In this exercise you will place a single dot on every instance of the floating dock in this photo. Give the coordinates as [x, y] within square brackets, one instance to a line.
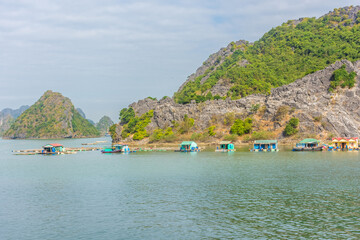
[95, 143]
[67, 150]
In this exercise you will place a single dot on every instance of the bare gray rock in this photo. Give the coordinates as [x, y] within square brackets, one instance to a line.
[308, 97]
[351, 11]
[221, 88]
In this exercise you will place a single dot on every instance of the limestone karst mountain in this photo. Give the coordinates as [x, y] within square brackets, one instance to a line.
[52, 116]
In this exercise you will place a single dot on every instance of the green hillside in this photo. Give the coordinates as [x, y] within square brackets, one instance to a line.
[284, 54]
[52, 116]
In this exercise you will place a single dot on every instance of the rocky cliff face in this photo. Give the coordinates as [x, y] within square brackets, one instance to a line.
[52, 116]
[8, 116]
[351, 12]
[214, 61]
[320, 111]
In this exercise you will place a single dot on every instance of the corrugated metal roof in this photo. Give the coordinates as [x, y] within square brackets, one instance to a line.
[187, 142]
[225, 142]
[54, 145]
[309, 140]
[344, 138]
[265, 141]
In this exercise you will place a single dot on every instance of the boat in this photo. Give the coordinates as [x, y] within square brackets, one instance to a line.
[308, 144]
[225, 146]
[188, 146]
[117, 148]
[265, 146]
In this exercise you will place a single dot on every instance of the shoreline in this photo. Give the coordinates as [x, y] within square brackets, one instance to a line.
[175, 146]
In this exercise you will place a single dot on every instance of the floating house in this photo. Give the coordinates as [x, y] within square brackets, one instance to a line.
[117, 148]
[265, 146]
[308, 144]
[345, 144]
[189, 146]
[53, 148]
[225, 146]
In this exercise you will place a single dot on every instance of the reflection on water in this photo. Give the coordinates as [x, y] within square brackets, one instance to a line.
[166, 195]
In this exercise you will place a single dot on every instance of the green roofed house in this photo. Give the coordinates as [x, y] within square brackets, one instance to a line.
[189, 146]
[265, 146]
[225, 146]
[308, 144]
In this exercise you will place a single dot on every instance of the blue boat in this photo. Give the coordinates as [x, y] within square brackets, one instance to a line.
[117, 148]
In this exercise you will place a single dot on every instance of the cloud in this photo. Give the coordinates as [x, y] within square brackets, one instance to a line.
[125, 48]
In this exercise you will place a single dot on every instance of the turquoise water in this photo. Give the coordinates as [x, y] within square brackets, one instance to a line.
[166, 195]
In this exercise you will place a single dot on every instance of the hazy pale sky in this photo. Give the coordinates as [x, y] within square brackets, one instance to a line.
[106, 54]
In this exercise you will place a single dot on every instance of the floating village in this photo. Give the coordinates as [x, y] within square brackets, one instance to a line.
[308, 144]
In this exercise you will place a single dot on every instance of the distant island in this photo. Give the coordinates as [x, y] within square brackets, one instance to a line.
[104, 125]
[301, 79]
[52, 116]
[8, 117]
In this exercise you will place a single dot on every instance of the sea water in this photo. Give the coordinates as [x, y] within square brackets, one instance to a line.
[167, 195]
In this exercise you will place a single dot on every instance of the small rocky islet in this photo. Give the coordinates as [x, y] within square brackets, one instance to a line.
[52, 116]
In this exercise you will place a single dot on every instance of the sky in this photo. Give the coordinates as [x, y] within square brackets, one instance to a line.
[106, 54]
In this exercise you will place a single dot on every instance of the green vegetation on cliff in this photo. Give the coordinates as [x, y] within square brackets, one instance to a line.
[291, 127]
[135, 125]
[159, 134]
[126, 114]
[241, 127]
[284, 54]
[52, 116]
[342, 78]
